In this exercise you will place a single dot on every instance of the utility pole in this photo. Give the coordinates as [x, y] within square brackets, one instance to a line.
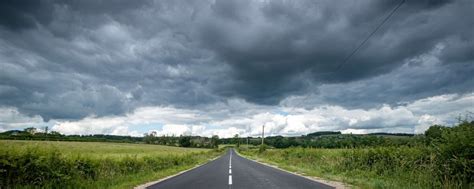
[248, 142]
[263, 133]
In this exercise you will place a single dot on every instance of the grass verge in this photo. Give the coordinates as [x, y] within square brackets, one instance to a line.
[33, 164]
[381, 167]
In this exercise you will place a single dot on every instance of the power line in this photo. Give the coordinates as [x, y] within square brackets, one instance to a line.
[357, 48]
[369, 36]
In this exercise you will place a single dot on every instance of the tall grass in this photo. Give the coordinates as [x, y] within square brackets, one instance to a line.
[380, 167]
[53, 165]
[444, 160]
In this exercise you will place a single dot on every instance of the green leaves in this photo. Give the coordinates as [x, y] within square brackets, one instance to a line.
[52, 168]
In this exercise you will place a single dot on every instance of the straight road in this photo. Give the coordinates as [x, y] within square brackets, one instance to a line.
[234, 171]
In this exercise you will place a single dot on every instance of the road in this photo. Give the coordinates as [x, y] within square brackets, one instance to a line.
[233, 171]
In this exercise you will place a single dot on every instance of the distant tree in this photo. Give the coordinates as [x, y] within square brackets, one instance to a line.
[237, 140]
[434, 133]
[185, 141]
[148, 138]
[30, 130]
[215, 141]
[55, 133]
[322, 133]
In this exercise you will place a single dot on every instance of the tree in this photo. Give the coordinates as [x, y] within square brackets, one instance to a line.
[185, 141]
[215, 141]
[30, 130]
[149, 138]
[55, 133]
[455, 153]
[237, 140]
[434, 133]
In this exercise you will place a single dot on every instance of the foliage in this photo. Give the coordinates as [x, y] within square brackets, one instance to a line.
[434, 133]
[185, 141]
[328, 139]
[454, 150]
[322, 133]
[26, 164]
[32, 134]
[215, 141]
[149, 138]
[237, 140]
[182, 141]
[443, 159]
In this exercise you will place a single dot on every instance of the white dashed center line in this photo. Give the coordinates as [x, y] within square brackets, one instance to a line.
[230, 168]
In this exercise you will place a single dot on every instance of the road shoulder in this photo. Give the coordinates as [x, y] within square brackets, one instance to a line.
[335, 184]
[148, 184]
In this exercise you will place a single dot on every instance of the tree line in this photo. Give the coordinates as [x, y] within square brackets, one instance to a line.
[324, 139]
[32, 133]
[182, 141]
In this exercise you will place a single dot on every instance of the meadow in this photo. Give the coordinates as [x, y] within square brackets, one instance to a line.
[52, 164]
[364, 168]
[445, 160]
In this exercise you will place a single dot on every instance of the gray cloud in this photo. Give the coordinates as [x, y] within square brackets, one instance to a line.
[71, 59]
[269, 46]
[422, 76]
[23, 14]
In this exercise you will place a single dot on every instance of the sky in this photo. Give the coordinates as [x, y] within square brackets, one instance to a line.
[226, 67]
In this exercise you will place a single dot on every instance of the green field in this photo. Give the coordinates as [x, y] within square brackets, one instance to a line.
[380, 167]
[92, 164]
[339, 165]
[444, 158]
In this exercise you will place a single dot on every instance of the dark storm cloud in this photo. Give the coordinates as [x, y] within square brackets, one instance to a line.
[21, 14]
[71, 59]
[268, 45]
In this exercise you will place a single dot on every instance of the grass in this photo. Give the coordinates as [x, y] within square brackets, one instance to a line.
[381, 167]
[26, 164]
[223, 146]
[98, 149]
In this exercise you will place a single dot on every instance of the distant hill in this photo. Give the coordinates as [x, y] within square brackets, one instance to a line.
[14, 132]
[392, 134]
[322, 133]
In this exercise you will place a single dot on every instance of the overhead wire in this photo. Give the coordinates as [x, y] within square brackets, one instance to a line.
[345, 60]
[370, 35]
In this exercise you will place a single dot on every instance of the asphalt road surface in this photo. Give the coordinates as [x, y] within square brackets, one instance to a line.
[234, 171]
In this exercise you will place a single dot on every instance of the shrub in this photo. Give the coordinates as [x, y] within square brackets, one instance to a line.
[36, 167]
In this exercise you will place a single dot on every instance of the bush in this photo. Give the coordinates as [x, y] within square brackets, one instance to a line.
[455, 154]
[34, 167]
[446, 160]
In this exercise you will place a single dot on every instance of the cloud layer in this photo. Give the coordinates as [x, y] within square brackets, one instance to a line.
[73, 63]
[415, 117]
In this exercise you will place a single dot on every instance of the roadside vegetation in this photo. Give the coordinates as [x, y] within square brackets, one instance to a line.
[33, 133]
[42, 164]
[441, 158]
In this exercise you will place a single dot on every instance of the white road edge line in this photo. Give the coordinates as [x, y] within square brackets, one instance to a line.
[335, 184]
[144, 186]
